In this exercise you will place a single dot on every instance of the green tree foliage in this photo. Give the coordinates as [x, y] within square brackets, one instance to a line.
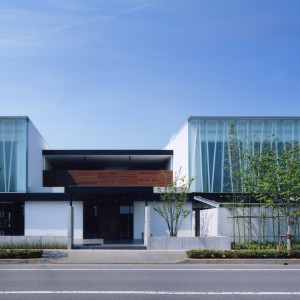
[269, 171]
[173, 198]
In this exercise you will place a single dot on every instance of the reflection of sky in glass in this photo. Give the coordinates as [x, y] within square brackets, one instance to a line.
[13, 155]
[207, 146]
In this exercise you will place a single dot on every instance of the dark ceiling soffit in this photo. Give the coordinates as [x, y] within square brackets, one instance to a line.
[21, 197]
[107, 152]
[109, 190]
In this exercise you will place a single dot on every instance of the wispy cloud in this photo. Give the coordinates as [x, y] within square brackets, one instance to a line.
[54, 30]
[70, 6]
[142, 6]
[40, 34]
[67, 5]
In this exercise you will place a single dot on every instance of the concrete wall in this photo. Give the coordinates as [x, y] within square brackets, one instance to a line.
[138, 219]
[49, 218]
[179, 144]
[36, 144]
[188, 243]
[159, 226]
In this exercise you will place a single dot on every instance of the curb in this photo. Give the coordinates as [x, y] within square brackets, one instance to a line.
[243, 261]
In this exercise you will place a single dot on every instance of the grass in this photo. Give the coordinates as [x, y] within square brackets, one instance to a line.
[34, 245]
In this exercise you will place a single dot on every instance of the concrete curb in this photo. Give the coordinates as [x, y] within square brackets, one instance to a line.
[242, 261]
[185, 261]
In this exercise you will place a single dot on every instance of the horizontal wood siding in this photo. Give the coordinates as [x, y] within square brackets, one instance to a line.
[153, 178]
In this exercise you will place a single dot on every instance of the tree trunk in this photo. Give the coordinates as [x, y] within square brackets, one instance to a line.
[288, 235]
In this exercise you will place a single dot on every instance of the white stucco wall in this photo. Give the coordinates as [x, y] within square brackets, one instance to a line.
[159, 225]
[179, 144]
[209, 222]
[138, 219]
[219, 222]
[50, 218]
[36, 144]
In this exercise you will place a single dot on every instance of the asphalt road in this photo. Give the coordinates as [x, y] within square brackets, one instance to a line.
[149, 281]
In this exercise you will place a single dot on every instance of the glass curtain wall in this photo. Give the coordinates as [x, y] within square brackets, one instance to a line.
[13, 155]
[207, 146]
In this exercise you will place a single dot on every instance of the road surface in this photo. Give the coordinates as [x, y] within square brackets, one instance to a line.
[25, 281]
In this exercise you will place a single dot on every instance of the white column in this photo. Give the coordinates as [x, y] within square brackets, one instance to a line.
[147, 230]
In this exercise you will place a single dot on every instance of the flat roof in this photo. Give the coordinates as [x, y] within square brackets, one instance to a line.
[243, 118]
[107, 152]
[15, 117]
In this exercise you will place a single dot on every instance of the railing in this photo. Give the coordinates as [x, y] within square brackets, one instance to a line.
[153, 178]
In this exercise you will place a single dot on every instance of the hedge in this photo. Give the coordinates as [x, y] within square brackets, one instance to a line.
[20, 253]
[243, 254]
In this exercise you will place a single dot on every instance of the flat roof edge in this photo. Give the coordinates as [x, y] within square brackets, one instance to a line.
[107, 152]
[16, 117]
[243, 118]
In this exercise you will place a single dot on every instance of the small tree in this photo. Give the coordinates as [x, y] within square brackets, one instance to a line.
[173, 198]
[276, 171]
[269, 171]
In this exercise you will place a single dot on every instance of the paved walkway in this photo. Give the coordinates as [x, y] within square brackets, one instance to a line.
[113, 256]
[134, 257]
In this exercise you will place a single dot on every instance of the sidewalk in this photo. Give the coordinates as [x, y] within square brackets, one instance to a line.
[113, 256]
[134, 257]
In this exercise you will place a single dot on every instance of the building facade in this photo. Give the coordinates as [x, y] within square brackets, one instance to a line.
[201, 150]
[109, 189]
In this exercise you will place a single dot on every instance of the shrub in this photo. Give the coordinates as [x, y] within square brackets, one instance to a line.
[263, 245]
[20, 253]
[243, 254]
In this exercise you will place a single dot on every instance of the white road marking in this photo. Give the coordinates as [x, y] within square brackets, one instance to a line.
[149, 293]
[128, 269]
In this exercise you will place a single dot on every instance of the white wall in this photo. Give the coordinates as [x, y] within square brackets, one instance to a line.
[138, 219]
[159, 226]
[36, 144]
[219, 222]
[209, 222]
[179, 144]
[50, 218]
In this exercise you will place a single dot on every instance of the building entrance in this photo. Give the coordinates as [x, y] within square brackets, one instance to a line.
[108, 219]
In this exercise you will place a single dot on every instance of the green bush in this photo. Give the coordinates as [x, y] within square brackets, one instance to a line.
[20, 253]
[256, 245]
[243, 254]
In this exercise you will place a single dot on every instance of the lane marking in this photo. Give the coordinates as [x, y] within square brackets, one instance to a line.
[149, 293]
[128, 269]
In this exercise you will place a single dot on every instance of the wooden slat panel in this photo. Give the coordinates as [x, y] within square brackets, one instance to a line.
[153, 178]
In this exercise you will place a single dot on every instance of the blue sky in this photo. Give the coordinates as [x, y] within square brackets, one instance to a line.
[126, 74]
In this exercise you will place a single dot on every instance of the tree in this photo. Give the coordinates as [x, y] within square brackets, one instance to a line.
[173, 198]
[269, 171]
[276, 171]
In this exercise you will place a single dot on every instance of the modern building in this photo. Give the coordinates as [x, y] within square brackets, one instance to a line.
[200, 148]
[109, 189]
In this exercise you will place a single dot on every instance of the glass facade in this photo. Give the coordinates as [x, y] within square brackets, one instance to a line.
[13, 154]
[207, 146]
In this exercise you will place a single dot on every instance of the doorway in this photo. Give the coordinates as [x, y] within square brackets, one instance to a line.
[108, 219]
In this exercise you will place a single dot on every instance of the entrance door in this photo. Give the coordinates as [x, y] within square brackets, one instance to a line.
[11, 218]
[126, 222]
[108, 219]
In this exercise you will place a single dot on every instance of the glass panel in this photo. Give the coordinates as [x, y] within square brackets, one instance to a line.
[207, 147]
[13, 155]
[126, 222]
